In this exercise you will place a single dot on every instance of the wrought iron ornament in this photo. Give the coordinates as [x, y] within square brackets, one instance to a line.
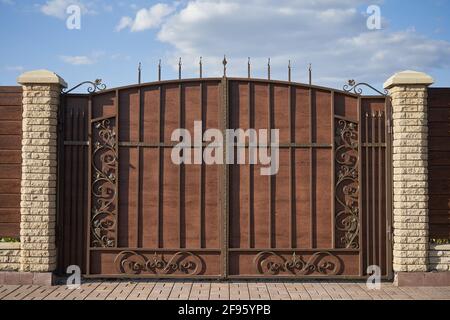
[104, 185]
[93, 87]
[271, 263]
[224, 62]
[132, 263]
[353, 87]
[347, 183]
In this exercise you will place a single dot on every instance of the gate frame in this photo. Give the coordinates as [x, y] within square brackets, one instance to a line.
[97, 87]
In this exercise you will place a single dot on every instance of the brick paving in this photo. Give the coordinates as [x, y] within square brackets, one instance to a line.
[207, 290]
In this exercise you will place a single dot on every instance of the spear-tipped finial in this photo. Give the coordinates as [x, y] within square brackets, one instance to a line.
[310, 74]
[249, 68]
[268, 69]
[224, 62]
[289, 71]
[201, 67]
[179, 68]
[159, 70]
[139, 72]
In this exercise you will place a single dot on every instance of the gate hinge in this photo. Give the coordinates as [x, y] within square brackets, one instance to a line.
[389, 233]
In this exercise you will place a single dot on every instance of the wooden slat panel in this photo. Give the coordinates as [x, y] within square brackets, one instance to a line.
[11, 113]
[73, 186]
[11, 127]
[10, 159]
[10, 99]
[10, 142]
[9, 186]
[439, 162]
[10, 230]
[11, 89]
[11, 215]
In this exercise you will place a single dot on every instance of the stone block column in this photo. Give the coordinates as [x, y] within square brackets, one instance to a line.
[41, 92]
[408, 91]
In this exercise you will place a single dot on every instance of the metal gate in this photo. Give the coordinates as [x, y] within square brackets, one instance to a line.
[125, 210]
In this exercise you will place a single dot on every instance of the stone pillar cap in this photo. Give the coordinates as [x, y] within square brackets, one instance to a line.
[41, 77]
[408, 77]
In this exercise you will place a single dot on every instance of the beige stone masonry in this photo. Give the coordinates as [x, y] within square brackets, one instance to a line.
[439, 257]
[408, 91]
[41, 91]
[9, 256]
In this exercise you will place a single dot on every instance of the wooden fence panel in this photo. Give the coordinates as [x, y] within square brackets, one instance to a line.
[10, 160]
[439, 162]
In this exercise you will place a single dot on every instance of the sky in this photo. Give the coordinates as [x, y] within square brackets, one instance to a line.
[332, 35]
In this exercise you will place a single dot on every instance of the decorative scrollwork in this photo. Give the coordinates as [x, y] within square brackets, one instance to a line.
[133, 263]
[355, 88]
[94, 86]
[323, 263]
[347, 183]
[104, 189]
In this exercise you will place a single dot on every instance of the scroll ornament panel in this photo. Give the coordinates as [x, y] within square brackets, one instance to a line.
[104, 184]
[347, 184]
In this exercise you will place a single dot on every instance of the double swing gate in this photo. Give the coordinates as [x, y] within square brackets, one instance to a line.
[126, 210]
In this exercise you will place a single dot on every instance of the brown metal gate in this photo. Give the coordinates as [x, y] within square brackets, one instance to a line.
[126, 210]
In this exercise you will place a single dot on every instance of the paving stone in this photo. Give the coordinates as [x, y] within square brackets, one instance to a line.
[209, 290]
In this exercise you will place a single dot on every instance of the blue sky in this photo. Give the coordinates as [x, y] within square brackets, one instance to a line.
[116, 35]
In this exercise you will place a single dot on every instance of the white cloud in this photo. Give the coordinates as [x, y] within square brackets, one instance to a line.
[147, 18]
[82, 60]
[57, 8]
[124, 22]
[15, 68]
[332, 34]
[78, 60]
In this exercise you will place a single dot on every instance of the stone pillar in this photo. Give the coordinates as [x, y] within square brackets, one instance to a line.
[408, 90]
[41, 92]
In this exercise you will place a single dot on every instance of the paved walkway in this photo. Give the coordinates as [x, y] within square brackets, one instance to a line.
[175, 290]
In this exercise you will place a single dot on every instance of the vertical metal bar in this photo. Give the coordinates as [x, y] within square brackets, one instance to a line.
[159, 70]
[310, 74]
[333, 174]
[311, 171]
[289, 71]
[82, 214]
[181, 174]
[60, 181]
[160, 170]
[374, 213]
[249, 68]
[380, 190]
[366, 214]
[117, 107]
[202, 172]
[360, 191]
[89, 206]
[250, 174]
[224, 178]
[389, 178]
[75, 183]
[269, 139]
[138, 175]
[68, 227]
[139, 73]
[293, 243]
